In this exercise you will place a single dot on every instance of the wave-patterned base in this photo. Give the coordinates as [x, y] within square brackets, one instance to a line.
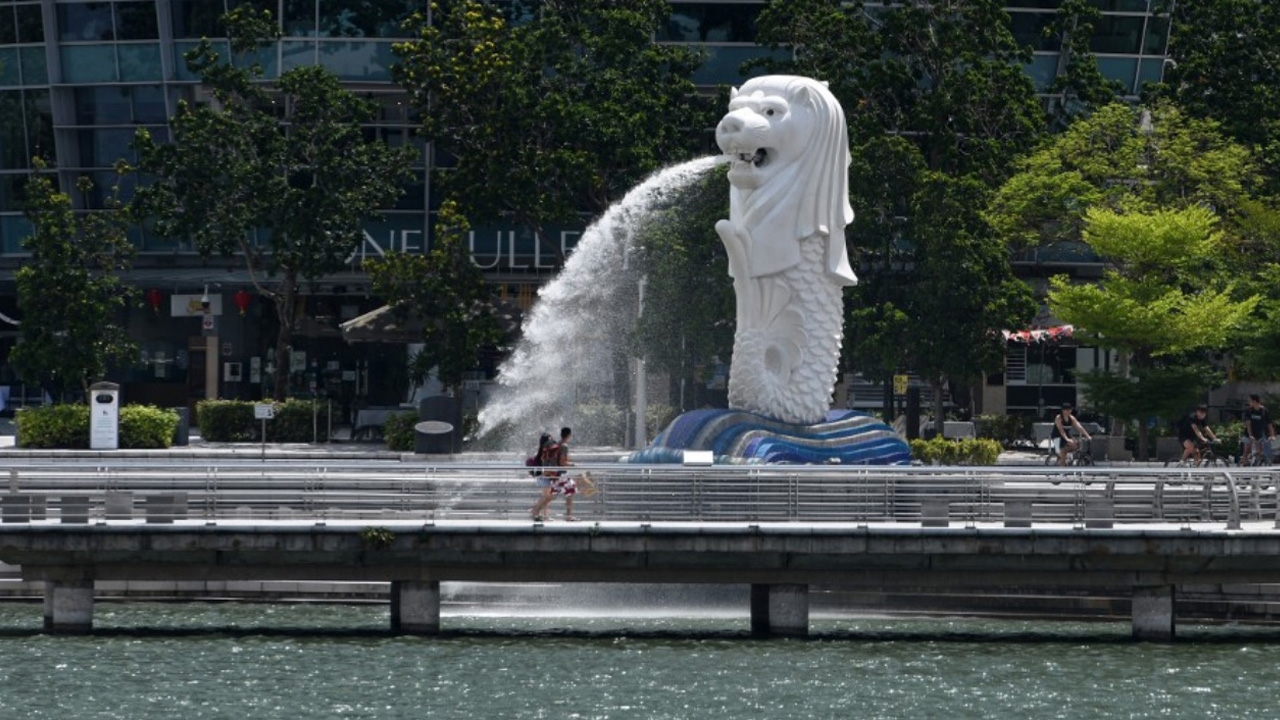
[740, 437]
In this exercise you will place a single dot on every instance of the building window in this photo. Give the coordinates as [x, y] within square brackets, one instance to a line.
[711, 22]
[85, 22]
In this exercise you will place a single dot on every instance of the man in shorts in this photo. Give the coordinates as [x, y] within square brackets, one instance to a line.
[1259, 431]
[1191, 432]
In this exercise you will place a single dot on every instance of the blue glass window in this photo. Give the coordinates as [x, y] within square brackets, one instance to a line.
[1117, 34]
[89, 63]
[35, 68]
[104, 105]
[1029, 29]
[300, 18]
[1123, 5]
[1149, 71]
[103, 147]
[1157, 36]
[1042, 70]
[13, 137]
[1122, 69]
[723, 63]
[9, 74]
[8, 27]
[357, 60]
[13, 229]
[88, 22]
[296, 54]
[361, 18]
[120, 105]
[196, 18]
[140, 61]
[711, 22]
[136, 21]
[30, 23]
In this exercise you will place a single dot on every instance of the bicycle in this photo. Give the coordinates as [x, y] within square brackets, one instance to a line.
[1208, 458]
[1082, 456]
[1259, 456]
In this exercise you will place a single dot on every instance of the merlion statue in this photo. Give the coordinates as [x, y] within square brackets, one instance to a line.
[788, 207]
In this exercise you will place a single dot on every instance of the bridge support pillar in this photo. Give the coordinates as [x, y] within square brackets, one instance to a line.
[415, 607]
[68, 606]
[779, 610]
[1153, 613]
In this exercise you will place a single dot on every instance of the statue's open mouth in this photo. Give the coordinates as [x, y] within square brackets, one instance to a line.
[758, 158]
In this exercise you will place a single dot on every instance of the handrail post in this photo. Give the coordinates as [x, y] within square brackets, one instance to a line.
[1233, 518]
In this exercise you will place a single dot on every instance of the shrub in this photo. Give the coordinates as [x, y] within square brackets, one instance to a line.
[658, 417]
[226, 420]
[233, 421]
[53, 426]
[67, 426]
[298, 421]
[147, 426]
[398, 431]
[1008, 430]
[597, 423]
[941, 451]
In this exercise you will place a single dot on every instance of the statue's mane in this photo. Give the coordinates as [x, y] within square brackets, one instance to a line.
[811, 195]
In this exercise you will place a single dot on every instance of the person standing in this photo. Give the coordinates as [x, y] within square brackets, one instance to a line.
[1062, 426]
[1259, 430]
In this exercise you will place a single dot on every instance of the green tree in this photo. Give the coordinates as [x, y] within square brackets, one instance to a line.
[1226, 66]
[935, 93]
[280, 175]
[1122, 157]
[447, 294]
[1163, 294]
[70, 293]
[551, 110]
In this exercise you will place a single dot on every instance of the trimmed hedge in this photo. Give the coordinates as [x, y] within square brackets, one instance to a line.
[941, 451]
[67, 426]
[233, 421]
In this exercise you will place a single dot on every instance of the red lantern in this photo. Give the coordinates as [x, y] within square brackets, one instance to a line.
[154, 297]
[241, 299]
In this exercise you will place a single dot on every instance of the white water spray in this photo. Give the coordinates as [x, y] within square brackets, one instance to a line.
[570, 339]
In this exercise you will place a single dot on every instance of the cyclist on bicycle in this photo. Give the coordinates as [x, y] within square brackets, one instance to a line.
[1258, 430]
[1062, 439]
[1192, 429]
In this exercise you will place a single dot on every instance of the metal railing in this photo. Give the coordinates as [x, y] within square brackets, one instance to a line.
[1081, 497]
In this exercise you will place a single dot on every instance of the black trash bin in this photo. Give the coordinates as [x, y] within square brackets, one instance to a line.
[431, 436]
[182, 433]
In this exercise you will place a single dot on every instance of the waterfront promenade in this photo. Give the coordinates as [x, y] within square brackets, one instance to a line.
[349, 513]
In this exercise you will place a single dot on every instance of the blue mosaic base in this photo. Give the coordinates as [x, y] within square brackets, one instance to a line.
[738, 437]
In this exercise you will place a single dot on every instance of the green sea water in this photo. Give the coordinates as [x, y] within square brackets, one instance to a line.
[317, 661]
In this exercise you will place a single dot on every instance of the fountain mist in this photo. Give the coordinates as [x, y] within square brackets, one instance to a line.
[571, 337]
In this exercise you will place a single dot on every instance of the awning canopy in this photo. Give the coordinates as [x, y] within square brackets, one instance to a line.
[1050, 334]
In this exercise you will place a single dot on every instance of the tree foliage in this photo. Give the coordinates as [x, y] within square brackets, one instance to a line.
[1121, 158]
[1226, 66]
[938, 106]
[447, 295]
[1162, 295]
[281, 176]
[548, 109]
[70, 294]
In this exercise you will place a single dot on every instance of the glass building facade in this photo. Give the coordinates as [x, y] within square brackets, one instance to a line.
[79, 77]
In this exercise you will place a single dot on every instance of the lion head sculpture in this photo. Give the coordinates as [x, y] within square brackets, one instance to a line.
[789, 150]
